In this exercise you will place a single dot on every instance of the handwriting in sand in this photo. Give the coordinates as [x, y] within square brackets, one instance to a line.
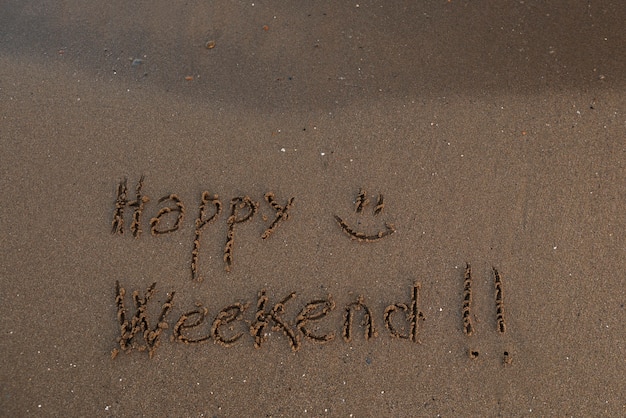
[231, 324]
[242, 209]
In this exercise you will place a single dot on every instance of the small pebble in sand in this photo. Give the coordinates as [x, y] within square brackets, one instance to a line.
[210, 45]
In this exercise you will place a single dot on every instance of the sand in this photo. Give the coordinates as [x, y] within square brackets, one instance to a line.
[345, 209]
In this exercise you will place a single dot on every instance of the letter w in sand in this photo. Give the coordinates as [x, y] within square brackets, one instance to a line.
[139, 321]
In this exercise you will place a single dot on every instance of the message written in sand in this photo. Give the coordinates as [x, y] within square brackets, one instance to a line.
[170, 216]
[229, 326]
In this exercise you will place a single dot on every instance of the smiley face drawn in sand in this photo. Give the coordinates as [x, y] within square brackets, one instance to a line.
[361, 202]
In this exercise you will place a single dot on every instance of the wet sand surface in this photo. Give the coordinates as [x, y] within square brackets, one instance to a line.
[442, 182]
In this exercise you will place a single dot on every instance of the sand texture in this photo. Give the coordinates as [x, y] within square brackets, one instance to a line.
[314, 208]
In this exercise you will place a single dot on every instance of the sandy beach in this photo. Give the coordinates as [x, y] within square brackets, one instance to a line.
[317, 208]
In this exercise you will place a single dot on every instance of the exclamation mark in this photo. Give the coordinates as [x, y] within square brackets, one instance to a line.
[468, 328]
[499, 302]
